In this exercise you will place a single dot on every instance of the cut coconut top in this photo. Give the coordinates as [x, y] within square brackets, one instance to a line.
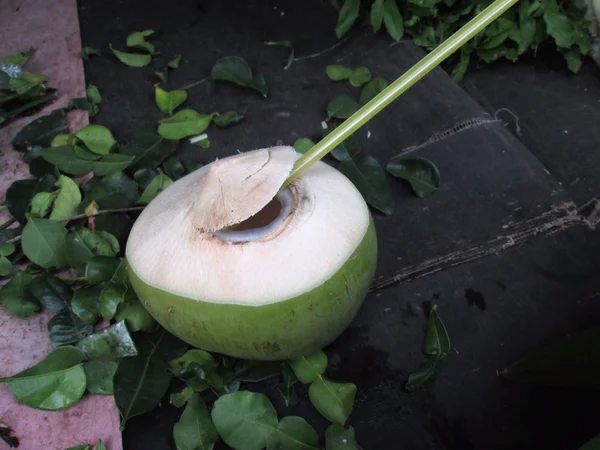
[317, 223]
[235, 188]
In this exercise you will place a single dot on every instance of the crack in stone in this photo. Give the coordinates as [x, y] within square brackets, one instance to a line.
[440, 136]
[559, 218]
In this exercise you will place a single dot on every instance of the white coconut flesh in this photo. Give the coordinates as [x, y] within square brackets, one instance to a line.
[224, 234]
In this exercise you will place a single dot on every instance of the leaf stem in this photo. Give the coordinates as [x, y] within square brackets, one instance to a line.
[398, 87]
[8, 223]
[103, 211]
[83, 216]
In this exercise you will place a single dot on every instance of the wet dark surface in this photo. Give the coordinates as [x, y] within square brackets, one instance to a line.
[502, 247]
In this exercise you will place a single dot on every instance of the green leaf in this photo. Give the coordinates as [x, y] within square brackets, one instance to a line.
[347, 16]
[97, 138]
[339, 438]
[5, 266]
[131, 59]
[333, 400]
[100, 445]
[423, 176]
[183, 124]
[349, 148]
[70, 160]
[66, 160]
[173, 168]
[140, 382]
[115, 190]
[86, 304]
[293, 433]
[43, 242]
[113, 292]
[168, 101]
[560, 28]
[286, 389]
[135, 315]
[236, 70]
[377, 11]
[93, 95]
[161, 344]
[370, 179]
[337, 72]
[204, 360]
[16, 296]
[437, 341]
[341, 107]
[100, 373]
[67, 200]
[360, 76]
[26, 82]
[573, 361]
[156, 186]
[174, 63]
[573, 60]
[88, 52]
[41, 131]
[195, 429]
[138, 40]
[51, 292]
[393, 20]
[21, 192]
[460, 69]
[7, 249]
[308, 368]
[526, 34]
[55, 383]
[110, 298]
[113, 342]
[101, 268]
[41, 204]
[82, 245]
[143, 177]
[371, 89]
[181, 398]
[65, 328]
[227, 119]
[244, 420]
[593, 444]
[425, 372]
[83, 104]
[303, 145]
[148, 148]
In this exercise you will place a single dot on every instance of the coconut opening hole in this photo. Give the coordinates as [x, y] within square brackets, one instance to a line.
[263, 222]
[262, 218]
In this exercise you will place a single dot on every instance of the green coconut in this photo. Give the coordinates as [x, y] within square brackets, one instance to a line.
[228, 263]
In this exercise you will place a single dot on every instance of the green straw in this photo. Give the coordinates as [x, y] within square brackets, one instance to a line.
[389, 94]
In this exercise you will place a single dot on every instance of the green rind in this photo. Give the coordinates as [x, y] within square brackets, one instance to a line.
[284, 330]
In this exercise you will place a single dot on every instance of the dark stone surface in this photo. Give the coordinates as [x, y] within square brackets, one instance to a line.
[557, 115]
[516, 285]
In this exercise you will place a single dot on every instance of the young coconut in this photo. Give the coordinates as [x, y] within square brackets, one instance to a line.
[229, 264]
[293, 272]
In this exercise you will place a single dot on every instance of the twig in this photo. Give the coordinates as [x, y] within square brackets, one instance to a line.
[333, 47]
[83, 216]
[104, 211]
[196, 83]
[8, 223]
